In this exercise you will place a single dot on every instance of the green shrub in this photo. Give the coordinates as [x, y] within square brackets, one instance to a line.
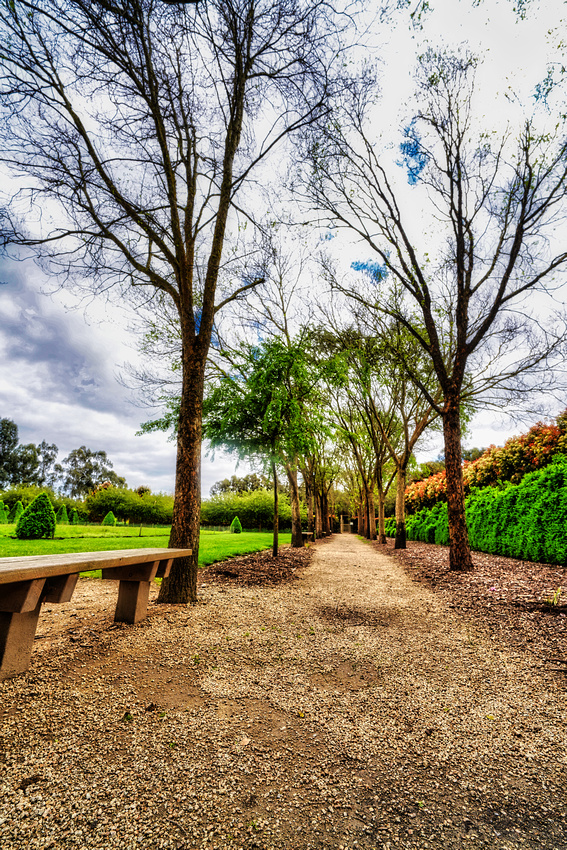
[235, 526]
[109, 519]
[74, 517]
[390, 527]
[16, 512]
[38, 519]
[3, 513]
[62, 517]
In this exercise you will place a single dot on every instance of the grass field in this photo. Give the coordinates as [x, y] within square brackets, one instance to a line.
[214, 545]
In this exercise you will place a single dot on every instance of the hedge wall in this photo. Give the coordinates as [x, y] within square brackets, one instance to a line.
[255, 510]
[526, 520]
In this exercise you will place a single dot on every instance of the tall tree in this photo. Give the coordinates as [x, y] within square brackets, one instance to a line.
[134, 128]
[83, 470]
[489, 205]
[258, 407]
[8, 445]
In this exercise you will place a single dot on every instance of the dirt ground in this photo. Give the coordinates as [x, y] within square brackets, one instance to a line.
[341, 698]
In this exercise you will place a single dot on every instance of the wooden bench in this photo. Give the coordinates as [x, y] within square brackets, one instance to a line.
[308, 537]
[27, 582]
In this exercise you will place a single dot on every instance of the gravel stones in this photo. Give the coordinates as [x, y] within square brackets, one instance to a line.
[348, 708]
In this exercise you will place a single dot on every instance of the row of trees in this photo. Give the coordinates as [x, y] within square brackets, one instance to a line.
[79, 474]
[136, 131]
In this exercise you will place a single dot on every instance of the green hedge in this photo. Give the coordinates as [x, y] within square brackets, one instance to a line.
[255, 510]
[526, 520]
[140, 508]
[390, 526]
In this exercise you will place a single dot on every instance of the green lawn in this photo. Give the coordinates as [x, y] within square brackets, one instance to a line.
[214, 545]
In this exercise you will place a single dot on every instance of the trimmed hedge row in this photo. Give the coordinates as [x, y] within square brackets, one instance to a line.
[254, 510]
[526, 520]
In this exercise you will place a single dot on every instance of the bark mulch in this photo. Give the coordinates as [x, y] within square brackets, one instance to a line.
[258, 569]
[508, 596]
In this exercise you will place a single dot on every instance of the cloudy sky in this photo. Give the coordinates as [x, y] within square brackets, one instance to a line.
[61, 362]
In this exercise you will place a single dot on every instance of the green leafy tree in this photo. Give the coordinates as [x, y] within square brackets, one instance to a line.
[260, 409]
[75, 517]
[37, 520]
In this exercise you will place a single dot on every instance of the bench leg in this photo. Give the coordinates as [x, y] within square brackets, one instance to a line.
[132, 605]
[17, 632]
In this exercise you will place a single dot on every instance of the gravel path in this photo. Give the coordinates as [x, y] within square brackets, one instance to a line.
[349, 709]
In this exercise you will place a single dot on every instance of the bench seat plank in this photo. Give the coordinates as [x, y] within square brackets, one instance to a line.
[42, 566]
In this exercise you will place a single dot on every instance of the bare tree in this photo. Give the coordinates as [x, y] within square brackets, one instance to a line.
[488, 210]
[133, 129]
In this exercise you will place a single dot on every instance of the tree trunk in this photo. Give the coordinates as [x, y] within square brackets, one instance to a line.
[400, 540]
[181, 585]
[309, 499]
[318, 514]
[362, 515]
[276, 512]
[371, 515]
[296, 535]
[459, 551]
[325, 512]
[381, 522]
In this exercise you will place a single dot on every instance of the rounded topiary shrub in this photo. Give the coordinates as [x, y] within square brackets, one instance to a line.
[235, 526]
[16, 512]
[62, 517]
[109, 519]
[38, 519]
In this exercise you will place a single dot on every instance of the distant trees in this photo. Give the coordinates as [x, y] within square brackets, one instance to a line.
[79, 474]
[255, 510]
[246, 484]
[128, 505]
[83, 470]
[25, 464]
